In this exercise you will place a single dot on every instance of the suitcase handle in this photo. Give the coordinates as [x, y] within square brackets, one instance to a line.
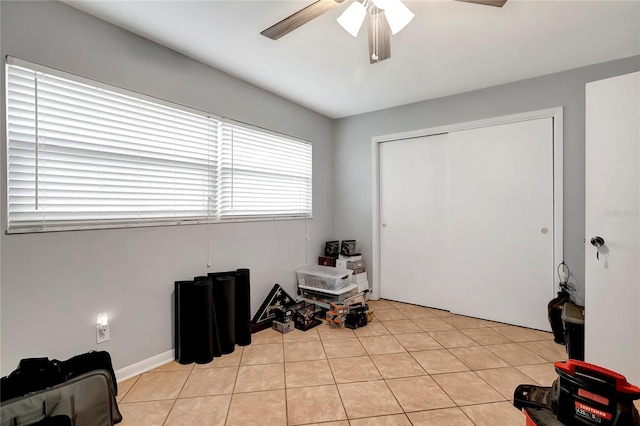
[569, 367]
[37, 414]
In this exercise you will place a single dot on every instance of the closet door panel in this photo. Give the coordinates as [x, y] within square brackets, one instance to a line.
[501, 222]
[413, 213]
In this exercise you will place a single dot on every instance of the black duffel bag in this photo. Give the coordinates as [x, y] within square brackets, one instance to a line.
[35, 374]
[32, 374]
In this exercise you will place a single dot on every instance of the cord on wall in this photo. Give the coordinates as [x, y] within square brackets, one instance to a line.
[209, 200]
[306, 237]
[208, 239]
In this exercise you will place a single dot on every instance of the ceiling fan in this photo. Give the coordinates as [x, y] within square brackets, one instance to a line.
[384, 18]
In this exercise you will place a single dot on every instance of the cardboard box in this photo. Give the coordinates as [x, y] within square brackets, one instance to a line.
[359, 278]
[352, 257]
[336, 315]
[341, 263]
[355, 264]
[369, 315]
[327, 261]
[282, 327]
[339, 308]
[363, 286]
[356, 299]
[333, 317]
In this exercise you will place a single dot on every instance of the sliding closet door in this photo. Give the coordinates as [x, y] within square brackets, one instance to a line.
[501, 222]
[413, 197]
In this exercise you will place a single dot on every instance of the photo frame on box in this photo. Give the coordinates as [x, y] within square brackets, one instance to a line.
[348, 247]
[332, 248]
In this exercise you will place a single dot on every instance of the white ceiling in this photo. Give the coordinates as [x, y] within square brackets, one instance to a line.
[450, 47]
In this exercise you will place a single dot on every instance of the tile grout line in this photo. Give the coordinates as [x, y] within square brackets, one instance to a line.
[233, 391]
[130, 387]
[412, 357]
[179, 392]
[326, 359]
[335, 383]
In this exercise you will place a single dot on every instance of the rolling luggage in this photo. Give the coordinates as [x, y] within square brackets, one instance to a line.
[86, 400]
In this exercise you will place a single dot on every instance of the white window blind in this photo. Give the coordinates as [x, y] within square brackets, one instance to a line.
[81, 156]
[263, 174]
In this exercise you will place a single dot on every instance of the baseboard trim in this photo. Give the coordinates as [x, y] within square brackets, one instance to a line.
[145, 365]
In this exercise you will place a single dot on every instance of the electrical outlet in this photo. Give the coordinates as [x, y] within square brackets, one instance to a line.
[102, 333]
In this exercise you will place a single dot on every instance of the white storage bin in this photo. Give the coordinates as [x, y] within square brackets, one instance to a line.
[324, 277]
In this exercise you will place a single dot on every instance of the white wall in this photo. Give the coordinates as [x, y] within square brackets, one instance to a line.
[353, 145]
[54, 284]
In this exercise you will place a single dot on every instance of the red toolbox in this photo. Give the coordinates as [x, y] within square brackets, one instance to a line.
[592, 395]
[583, 394]
[540, 417]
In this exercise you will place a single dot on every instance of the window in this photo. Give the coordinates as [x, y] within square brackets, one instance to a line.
[263, 174]
[82, 155]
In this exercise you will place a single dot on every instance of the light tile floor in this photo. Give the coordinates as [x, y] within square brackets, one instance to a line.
[410, 366]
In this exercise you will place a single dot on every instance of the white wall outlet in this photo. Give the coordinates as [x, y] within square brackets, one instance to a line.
[102, 333]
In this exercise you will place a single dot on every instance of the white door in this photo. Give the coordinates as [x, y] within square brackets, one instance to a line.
[413, 196]
[612, 205]
[466, 221]
[501, 222]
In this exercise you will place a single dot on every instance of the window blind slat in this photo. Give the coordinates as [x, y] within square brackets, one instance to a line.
[263, 174]
[102, 156]
[83, 156]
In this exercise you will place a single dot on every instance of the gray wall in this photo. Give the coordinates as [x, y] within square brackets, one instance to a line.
[54, 284]
[353, 145]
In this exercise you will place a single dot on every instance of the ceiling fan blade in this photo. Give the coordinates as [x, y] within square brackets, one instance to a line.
[496, 3]
[300, 18]
[379, 36]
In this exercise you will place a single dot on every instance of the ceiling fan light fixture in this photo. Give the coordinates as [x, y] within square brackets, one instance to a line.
[381, 4]
[398, 15]
[351, 19]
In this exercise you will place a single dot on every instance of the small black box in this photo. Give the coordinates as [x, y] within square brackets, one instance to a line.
[283, 313]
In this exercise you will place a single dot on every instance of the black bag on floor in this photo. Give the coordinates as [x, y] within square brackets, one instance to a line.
[32, 374]
[35, 374]
[60, 420]
[87, 399]
[554, 310]
[90, 361]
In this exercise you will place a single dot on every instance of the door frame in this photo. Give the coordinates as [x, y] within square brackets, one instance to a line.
[558, 166]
